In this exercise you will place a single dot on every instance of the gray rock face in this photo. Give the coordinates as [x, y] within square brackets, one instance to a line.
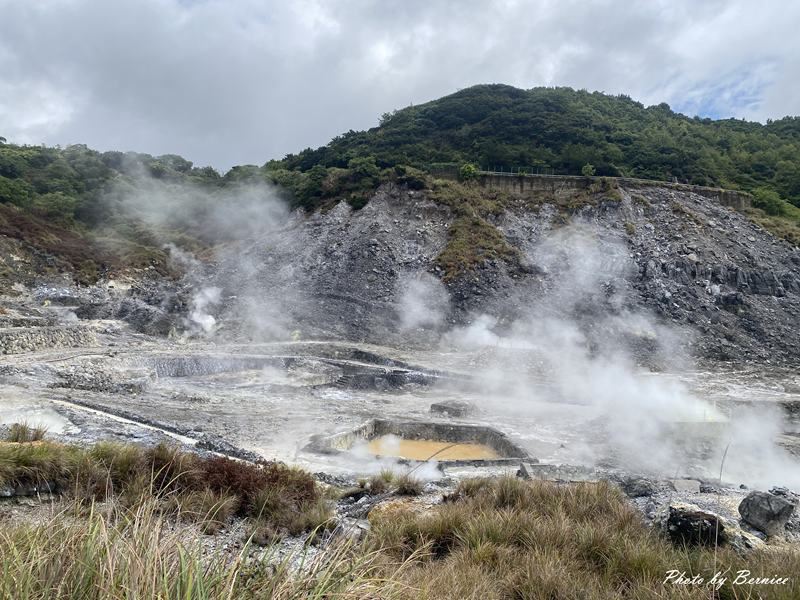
[689, 261]
[766, 512]
[736, 287]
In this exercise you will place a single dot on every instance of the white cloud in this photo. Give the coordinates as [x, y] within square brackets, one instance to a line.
[236, 81]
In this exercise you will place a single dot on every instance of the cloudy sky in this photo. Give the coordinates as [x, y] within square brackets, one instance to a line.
[227, 82]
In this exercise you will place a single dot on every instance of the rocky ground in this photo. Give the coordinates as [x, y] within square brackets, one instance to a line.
[313, 330]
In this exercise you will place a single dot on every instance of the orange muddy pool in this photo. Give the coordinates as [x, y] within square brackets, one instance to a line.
[390, 445]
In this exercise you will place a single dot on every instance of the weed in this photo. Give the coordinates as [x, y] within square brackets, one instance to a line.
[377, 485]
[630, 228]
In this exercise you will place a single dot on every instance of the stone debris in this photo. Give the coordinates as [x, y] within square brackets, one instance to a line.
[552, 472]
[691, 486]
[17, 340]
[638, 487]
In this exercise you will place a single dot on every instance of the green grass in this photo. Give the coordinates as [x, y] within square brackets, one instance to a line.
[472, 239]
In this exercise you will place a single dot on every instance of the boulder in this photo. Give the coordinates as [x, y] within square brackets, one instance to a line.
[453, 408]
[689, 525]
[638, 487]
[766, 512]
[352, 529]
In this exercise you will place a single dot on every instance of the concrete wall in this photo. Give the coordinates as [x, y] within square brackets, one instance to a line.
[565, 184]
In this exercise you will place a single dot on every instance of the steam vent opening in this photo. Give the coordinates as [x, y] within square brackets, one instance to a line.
[421, 441]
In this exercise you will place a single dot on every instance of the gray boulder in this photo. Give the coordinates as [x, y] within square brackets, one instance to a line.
[453, 408]
[766, 512]
[638, 487]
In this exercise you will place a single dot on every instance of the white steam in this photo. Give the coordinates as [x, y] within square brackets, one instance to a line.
[423, 302]
[233, 221]
[199, 318]
[581, 340]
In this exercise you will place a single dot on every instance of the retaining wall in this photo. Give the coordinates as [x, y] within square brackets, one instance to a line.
[563, 184]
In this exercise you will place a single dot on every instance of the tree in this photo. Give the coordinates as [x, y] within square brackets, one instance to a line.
[769, 201]
[363, 168]
[587, 170]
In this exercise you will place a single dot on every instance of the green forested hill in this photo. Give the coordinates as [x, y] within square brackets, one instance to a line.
[75, 204]
[562, 130]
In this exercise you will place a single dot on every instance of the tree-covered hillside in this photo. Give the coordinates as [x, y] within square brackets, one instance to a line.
[79, 206]
[561, 130]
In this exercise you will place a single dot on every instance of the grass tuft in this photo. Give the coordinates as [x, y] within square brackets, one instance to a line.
[408, 485]
[22, 432]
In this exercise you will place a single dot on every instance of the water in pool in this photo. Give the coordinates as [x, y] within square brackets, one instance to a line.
[392, 445]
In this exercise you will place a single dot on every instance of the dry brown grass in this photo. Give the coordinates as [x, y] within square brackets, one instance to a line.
[138, 554]
[491, 539]
[504, 538]
[285, 498]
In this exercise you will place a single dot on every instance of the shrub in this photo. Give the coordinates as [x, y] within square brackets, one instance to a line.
[467, 172]
[413, 178]
[172, 470]
[769, 201]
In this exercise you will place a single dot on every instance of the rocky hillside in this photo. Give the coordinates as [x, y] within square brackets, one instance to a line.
[621, 261]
